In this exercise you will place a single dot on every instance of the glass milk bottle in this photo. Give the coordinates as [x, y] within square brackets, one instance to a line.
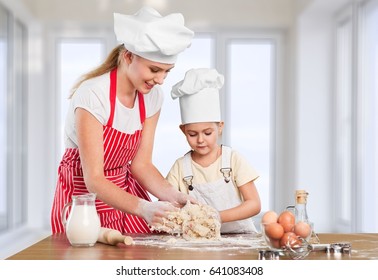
[83, 224]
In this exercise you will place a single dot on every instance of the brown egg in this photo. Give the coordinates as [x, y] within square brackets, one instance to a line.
[275, 243]
[269, 217]
[274, 230]
[302, 229]
[290, 239]
[287, 220]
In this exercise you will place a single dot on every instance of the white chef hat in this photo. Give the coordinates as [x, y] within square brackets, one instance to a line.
[152, 36]
[199, 95]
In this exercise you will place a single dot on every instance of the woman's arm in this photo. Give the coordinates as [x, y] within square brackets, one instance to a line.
[90, 142]
[250, 206]
[91, 147]
[147, 174]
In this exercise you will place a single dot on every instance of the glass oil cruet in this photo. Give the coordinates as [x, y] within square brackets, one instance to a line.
[300, 211]
[300, 206]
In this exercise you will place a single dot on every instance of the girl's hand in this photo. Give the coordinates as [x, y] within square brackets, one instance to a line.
[179, 199]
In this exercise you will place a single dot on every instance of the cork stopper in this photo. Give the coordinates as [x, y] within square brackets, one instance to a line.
[301, 196]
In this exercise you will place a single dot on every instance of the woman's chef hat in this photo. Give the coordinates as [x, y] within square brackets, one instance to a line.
[152, 36]
[199, 95]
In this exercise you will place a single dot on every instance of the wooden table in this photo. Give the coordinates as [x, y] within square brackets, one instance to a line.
[57, 247]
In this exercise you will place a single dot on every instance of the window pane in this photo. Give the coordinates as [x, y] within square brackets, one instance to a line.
[75, 58]
[3, 116]
[170, 142]
[344, 121]
[18, 127]
[13, 140]
[369, 201]
[249, 102]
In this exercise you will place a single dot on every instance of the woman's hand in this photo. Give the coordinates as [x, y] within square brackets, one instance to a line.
[153, 212]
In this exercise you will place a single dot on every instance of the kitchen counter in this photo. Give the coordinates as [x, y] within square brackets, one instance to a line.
[162, 247]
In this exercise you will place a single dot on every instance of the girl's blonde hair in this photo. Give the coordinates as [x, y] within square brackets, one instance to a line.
[111, 62]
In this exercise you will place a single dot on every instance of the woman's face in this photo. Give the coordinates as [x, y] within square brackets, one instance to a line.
[144, 74]
[202, 137]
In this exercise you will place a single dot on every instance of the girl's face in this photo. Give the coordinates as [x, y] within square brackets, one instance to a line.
[144, 74]
[202, 137]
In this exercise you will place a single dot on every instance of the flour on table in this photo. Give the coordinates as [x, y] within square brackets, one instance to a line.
[193, 221]
[242, 242]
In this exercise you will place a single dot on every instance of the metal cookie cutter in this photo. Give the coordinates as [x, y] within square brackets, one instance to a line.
[343, 248]
[334, 248]
[269, 255]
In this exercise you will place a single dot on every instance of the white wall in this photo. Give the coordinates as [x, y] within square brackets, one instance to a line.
[314, 85]
[313, 116]
[208, 13]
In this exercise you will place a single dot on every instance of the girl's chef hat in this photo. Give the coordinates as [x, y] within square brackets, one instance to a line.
[199, 95]
[152, 36]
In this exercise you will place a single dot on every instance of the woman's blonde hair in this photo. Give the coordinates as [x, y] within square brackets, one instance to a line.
[111, 62]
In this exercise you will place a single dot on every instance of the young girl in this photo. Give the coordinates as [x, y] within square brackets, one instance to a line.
[111, 123]
[214, 174]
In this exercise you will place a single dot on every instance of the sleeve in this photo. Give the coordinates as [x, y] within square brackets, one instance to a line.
[174, 177]
[154, 101]
[243, 171]
[93, 100]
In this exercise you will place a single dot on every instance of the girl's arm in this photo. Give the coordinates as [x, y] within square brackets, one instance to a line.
[250, 206]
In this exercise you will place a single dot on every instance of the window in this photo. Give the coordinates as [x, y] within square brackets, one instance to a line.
[249, 105]
[356, 125]
[13, 98]
[369, 118]
[75, 57]
[343, 122]
[3, 116]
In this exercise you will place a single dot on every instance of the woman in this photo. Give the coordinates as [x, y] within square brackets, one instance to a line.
[111, 123]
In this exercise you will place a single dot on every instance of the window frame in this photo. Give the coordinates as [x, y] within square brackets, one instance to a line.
[16, 125]
[367, 219]
[343, 222]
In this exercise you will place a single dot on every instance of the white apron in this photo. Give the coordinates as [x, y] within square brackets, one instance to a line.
[222, 194]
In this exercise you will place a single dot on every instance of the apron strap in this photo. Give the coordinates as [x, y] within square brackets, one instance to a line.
[112, 95]
[188, 172]
[142, 108]
[226, 163]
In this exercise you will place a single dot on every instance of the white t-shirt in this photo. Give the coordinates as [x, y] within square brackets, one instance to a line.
[93, 96]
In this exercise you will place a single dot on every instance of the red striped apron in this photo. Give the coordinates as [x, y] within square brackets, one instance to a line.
[119, 149]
